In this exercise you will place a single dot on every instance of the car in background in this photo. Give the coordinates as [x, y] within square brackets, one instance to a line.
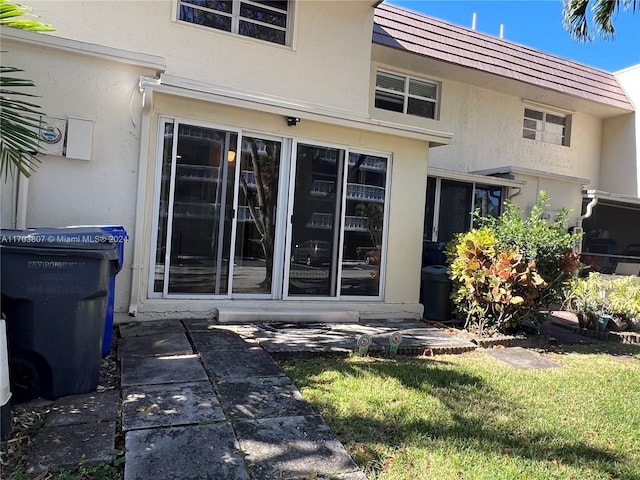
[312, 252]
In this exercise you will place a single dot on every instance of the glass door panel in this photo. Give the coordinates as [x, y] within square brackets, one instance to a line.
[256, 216]
[315, 222]
[364, 224]
[199, 211]
[163, 217]
[455, 209]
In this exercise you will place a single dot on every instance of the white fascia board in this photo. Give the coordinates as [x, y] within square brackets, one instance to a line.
[534, 173]
[137, 59]
[612, 197]
[474, 177]
[290, 108]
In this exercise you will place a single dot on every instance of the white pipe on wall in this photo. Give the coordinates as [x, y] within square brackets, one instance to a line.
[22, 199]
[143, 165]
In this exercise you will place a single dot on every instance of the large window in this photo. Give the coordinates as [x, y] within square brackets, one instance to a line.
[545, 127]
[267, 20]
[406, 95]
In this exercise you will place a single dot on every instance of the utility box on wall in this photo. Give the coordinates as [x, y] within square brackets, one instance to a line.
[67, 137]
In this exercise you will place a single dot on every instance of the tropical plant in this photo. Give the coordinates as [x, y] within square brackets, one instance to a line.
[19, 116]
[508, 269]
[495, 289]
[540, 240]
[598, 295]
[577, 24]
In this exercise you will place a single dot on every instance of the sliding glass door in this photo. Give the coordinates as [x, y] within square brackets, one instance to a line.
[245, 215]
[195, 210]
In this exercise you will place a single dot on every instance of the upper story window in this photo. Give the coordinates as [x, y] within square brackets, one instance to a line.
[267, 20]
[406, 95]
[545, 127]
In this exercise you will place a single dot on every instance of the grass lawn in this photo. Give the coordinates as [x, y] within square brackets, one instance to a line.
[472, 417]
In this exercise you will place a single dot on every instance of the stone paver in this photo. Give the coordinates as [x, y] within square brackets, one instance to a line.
[89, 408]
[153, 370]
[521, 358]
[149, 406]
[182, 453]
[67, 446]
[262, 398]
[291, 447]
[238, 364]
[155, 327]
[164, 344]
[219, 340]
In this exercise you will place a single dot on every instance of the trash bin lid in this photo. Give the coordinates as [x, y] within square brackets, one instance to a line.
[435, 271]
[44, 242]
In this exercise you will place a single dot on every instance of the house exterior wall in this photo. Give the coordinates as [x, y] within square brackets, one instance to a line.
[407, 194]
[487, 133]
[65, 191]
[327, 64]
[620, 169]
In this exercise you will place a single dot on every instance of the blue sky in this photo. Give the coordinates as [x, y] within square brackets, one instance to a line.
[538, 24]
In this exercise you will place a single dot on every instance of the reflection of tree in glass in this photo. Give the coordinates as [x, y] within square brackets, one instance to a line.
[373, 215]
[265, 164]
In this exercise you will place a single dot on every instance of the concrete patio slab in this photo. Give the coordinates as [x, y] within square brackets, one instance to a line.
[151, 327]
[292, 341]
[262, 398]
[179, 453]
[155, 345]
[89, 408]
[220, 340]
[292, 447]
[67, 446]
[521, 358]
[240, 364]
[155, 370]
[152, 406]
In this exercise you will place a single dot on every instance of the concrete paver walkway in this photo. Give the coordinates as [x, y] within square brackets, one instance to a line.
[201, 400]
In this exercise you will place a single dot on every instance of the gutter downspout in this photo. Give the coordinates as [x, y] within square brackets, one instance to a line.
[590, 206]
[146, 88]
[22, 198]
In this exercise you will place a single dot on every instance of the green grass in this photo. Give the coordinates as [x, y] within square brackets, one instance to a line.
[472, 417]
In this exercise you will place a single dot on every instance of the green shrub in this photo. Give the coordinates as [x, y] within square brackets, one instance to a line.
[509, 268]
[598, 294]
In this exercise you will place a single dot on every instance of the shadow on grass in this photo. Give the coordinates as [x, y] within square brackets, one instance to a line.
[476, 417]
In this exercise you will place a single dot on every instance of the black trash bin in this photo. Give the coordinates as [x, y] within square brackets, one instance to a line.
[54, 298]
[435, 293]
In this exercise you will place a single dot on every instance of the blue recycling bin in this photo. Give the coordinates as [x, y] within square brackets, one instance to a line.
[118, 235]
[115, 234]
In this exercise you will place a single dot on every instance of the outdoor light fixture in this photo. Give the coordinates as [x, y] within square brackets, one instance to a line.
[292, 121]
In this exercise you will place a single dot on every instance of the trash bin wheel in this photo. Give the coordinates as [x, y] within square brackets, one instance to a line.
[25, 379]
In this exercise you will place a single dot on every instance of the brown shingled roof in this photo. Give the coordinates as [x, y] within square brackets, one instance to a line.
[416, 33]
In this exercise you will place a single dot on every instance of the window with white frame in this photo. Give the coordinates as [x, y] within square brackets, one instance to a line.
[399, 93]
[545, 127]
[267, 20]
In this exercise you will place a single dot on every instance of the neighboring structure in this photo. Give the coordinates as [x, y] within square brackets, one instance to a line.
[269, 158]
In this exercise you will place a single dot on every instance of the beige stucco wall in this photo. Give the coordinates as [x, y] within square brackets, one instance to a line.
[66, 191]
[487, 133]
[407, 193]
[327, 64]
[620, 170]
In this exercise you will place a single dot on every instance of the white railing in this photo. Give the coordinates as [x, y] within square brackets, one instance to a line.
[355, 224]
[321, 187]
[197, 172]
[369, 163]
[370, 193]
[323, 221]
